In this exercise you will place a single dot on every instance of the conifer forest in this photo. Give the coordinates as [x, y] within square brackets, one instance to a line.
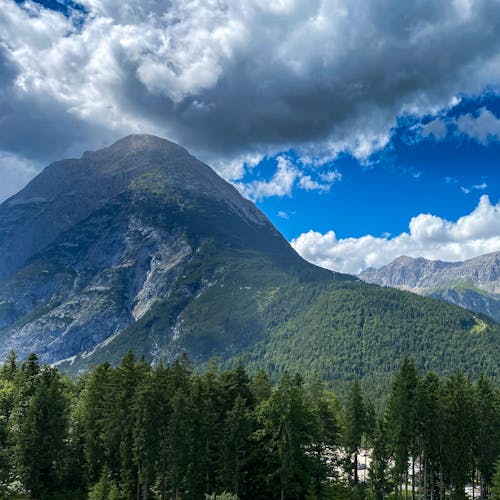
[169, 432]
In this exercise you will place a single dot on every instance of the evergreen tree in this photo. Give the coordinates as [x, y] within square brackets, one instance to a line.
[380, 462]
[326, 432]
[355, 424]
[147, 434]
[495, 486]
[138, 432]
[129, 376]
[41, 441]
[180, 430]
[261, 386]
[401, 420]
[7, 394]
[238, 426]
[287, 420]
[428, 431]
[206, 433]
[8, 370]
[487, 431]
[101, 444]
[459, 433]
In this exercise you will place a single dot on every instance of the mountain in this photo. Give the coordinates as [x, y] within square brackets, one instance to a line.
[473, 284]
[91, 244]
[141, 246]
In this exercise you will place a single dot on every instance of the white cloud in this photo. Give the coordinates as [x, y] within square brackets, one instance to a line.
[307, 183]
[429, 236]
[280, 184]
[228, 79]
[282, 214]
[235, 168]
[436, 128]
[484, 128]
[285, 178]
[478, 187]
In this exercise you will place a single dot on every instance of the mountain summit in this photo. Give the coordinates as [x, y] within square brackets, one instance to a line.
[91, 244]
[68, 191]
[141, 246]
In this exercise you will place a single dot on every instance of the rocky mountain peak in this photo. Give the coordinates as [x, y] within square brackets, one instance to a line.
[68, 191]
[92, 245]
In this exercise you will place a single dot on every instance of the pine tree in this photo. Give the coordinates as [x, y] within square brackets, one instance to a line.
[355, 424]
[261, 386]
[428, 427]
[326, 432]
[7, 398]
[129, 375]
[147, 433]
[495, 486]
[40, 446]
[288, 422]
[459, 433]
[180, 430]
[401, 420]
[101, 444]
[9, 368]
[487, 431]
[206, 432]
[238, 426]
[380, 462]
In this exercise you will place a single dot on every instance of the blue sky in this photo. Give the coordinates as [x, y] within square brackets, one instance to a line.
[363, 129]
[412, 175]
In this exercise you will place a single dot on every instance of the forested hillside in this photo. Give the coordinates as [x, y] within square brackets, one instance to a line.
[137, 432]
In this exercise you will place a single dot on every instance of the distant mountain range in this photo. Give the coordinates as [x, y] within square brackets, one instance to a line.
[141, 246]
[473, 284]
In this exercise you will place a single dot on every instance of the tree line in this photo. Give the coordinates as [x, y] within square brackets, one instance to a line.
[139, 432]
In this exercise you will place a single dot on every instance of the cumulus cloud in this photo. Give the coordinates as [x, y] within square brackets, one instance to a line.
[280, 184]
[287, 176]
[429, 236]
[484, 128]
[227, 79]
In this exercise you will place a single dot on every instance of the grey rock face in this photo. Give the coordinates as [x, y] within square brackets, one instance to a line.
[473, 284]
[68, 191]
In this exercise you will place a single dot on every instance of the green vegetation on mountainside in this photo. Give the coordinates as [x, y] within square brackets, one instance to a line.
[240, 306]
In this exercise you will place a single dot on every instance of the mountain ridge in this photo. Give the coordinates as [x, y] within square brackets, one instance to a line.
[473, 284]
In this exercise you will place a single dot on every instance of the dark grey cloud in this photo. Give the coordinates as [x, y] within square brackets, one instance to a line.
[233, 78]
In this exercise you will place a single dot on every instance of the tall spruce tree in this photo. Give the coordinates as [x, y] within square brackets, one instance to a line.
[401, 420]
[354, 425]
[487, 431]
[41, 442]
[459, 427]
[379, 477]
[287, 422]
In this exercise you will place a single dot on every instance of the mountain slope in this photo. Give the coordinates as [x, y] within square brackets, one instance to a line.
[473, 284]
[165, 257]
